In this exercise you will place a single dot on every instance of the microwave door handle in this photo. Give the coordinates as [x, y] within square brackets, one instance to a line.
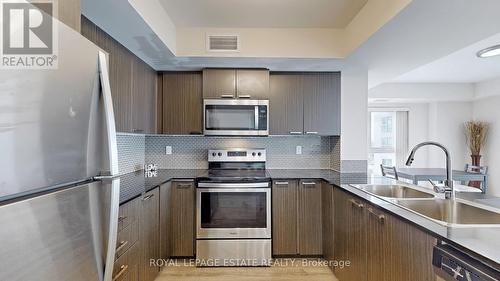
[256, 117]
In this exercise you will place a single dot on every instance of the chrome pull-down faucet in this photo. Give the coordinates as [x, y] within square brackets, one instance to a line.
[449, 192]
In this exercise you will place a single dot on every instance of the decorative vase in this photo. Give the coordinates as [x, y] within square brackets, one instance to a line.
[476, 161]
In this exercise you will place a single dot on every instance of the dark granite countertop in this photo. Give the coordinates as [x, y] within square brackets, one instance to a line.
[133, 185]
[483, 241]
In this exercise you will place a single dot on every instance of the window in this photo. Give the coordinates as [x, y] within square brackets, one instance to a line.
[388, 138]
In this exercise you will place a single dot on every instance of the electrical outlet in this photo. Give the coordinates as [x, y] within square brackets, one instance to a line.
[168, 150]
[298, 150]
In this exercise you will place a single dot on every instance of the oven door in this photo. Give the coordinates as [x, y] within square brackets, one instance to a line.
[235, 117]
[233, 210]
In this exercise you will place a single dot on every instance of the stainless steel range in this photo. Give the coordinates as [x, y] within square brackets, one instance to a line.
[233, 210]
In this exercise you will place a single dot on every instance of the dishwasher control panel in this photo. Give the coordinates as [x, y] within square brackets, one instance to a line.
[452, 264]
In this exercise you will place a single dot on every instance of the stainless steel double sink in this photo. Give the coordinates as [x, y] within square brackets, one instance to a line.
[454, 213]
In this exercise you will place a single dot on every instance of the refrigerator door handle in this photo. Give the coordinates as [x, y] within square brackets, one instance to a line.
[109, 114]
[113, 166]
[112, 230]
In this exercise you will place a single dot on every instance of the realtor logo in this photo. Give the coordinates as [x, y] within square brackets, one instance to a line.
[28, 37]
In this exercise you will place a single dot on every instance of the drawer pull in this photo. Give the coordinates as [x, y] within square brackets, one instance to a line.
[244, 96]
[227, 96]
[121, 246]
[308, 183]
[123, 269]
[311, 133]
[121, 219]
[281, 183]
[379, 217]
[147, 197]
[356, 204]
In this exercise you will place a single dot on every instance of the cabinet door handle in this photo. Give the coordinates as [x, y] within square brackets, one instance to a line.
[281, 183]
[380, 217]
[184, 185]
[147, 197]
[295, 133]
[356, 204]
[309, 183]
[123, 269]
[137, 130]
[227, 96]
[311, 133]
[244, 96]
[121, 246]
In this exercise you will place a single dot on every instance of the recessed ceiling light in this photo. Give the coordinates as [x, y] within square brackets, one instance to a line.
[489, 52]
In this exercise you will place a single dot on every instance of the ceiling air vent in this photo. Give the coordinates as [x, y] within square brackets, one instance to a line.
[223, 43]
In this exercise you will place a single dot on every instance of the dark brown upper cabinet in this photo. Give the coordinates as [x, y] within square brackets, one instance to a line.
[182, 103]
[236, 83]
[219, 83]
[322, 104]
[133, 83]
[252, 84]
[304, 103]
[286, 105]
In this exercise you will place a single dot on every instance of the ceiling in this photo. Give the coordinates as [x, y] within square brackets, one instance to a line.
[263, 13]
[424, 32]
[462, 66]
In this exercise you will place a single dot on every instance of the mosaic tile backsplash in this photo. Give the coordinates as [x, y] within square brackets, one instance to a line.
[190, 152]
[131, 149]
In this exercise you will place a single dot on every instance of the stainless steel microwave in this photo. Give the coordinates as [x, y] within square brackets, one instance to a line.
[235, 117]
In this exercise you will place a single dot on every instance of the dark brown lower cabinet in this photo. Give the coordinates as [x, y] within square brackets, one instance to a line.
[182, 222]
[378, 245]
[284, 217]
[149, 222]
[310, 228]
[165, 213]
[350, 237]
[327, 220]
[297, 217]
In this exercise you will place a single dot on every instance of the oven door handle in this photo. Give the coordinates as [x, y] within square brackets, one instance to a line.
[233, 185]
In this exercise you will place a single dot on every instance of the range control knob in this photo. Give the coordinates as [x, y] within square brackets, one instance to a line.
[253, 153]
[213, 154]
[220, 154]
[259, 154]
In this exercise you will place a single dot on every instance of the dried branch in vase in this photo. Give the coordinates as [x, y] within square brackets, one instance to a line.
[475, 132]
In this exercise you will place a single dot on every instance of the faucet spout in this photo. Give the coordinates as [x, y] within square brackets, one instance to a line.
[449, 191]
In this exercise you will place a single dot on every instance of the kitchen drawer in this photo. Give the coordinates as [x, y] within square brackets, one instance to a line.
[126, 268]
[128, 213]
[126, 238]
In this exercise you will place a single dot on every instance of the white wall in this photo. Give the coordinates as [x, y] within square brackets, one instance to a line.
[487, 108]
[446, 126]
[423, 92]
[437, 113]
[354, 113]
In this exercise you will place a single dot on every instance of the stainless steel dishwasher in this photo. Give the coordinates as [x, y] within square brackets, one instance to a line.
[452, 264]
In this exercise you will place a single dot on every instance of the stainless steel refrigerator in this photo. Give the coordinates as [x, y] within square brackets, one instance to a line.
[58, 162]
